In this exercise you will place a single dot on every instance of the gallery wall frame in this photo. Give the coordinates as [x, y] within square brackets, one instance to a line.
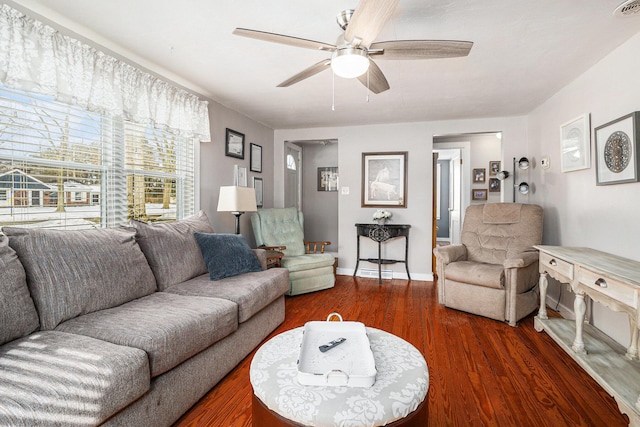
[575, 144]
[258, 186]
[255, 158]
[479, 175]
[479, 194]
[617, 150]
[239, 176]
[384, 179]
[494, 185]
[234, 144]
[494, 167]
[328, 178]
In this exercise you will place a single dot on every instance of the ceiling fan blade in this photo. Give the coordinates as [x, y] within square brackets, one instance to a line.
[377, 81]
[306, 73]
[282, 39]
[420, 49]
[368, 19]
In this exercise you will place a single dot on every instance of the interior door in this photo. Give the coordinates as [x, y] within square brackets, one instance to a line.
[434, 210]
[455, 218]
[293, 177]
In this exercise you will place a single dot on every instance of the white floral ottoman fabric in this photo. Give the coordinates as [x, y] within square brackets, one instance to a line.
[401, 384]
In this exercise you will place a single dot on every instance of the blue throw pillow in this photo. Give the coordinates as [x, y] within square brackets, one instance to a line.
[226, 255]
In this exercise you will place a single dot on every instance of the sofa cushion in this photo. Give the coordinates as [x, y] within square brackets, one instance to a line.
[169, 328]
[70, 273]
[53, 378]
[476, 273]
[227, 255]
[251, 291]
[307, 262]
[171, 249]
[18, 315]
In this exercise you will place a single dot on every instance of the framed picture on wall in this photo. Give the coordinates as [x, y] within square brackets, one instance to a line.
[384, 179]
[258, 187]
[479, 175]
[479, 194]
[494, 185]
[494, 167]
[234, 144]
[617, 150]
[328, 179]
[239, 176]
[575, 144]
[255, 155]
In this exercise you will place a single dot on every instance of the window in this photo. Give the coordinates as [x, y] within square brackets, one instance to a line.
[92, 170]
[3, 195]
[291, 162]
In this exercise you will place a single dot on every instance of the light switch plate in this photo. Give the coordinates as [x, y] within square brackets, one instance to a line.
[545, 162]
[344, 191]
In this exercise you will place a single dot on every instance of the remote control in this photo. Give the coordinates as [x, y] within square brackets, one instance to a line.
[332, 344]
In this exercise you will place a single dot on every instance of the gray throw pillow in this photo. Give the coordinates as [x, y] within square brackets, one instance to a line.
[227, 255]
[75, 272]
[171, 249]
[18, 316]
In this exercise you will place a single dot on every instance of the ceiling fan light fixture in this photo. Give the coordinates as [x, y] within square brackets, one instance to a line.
[350, 62]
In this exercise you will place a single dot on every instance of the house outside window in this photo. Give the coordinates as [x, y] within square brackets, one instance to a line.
[92, 170]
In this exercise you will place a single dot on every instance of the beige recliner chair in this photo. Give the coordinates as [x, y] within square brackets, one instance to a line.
[494, 272]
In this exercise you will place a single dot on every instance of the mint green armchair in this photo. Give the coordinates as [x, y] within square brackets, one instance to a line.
[282, 229]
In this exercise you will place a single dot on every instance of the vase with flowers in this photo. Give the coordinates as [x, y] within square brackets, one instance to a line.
[381, 216]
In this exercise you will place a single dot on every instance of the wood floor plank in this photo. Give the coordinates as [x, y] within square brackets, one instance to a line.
[482, 372]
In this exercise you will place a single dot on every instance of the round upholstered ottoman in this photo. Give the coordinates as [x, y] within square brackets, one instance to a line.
[397, 398]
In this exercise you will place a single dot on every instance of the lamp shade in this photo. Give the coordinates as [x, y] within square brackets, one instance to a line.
[523, 163]
[349, 62]
[237, 199]
[502, 175]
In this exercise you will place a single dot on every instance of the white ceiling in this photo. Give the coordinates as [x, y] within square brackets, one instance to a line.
[524, 52]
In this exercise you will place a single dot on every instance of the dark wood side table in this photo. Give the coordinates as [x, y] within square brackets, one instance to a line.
[380, 234]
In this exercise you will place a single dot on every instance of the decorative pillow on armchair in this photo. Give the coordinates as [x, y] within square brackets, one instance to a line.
[226, 255]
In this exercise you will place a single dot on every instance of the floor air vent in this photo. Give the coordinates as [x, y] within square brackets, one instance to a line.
[367, 272]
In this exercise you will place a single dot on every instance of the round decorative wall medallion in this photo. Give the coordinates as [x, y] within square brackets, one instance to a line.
[617, 152]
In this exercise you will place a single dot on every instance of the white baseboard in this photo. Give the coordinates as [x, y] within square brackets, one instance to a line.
[394, 274]
[564, 311]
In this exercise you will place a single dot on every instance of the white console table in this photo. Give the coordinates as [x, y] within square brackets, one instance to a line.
[614, 282]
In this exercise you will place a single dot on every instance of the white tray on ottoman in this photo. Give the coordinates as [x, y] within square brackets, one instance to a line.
[349, 363]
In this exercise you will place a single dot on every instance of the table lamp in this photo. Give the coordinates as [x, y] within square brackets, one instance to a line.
[237, 200]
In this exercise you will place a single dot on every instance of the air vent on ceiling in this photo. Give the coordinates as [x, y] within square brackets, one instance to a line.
[628, 8]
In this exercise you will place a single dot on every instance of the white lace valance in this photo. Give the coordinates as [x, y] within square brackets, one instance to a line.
[35, 57]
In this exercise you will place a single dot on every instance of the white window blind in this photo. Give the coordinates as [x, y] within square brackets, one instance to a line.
[64, 167]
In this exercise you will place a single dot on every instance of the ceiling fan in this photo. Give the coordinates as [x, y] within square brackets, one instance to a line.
[352, 55]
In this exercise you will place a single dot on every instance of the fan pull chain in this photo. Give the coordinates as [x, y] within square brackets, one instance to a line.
[333, 91]
[368, 91]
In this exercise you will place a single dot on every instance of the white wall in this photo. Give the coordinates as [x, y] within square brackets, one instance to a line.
[320, 208]
[417, 139]
[577, 212]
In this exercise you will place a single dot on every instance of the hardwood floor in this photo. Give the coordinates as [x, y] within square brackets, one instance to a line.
[482, 372]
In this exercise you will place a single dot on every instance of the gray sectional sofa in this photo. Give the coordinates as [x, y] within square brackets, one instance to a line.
[122, 326]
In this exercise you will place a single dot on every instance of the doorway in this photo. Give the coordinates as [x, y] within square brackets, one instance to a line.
[318, 199]
[455, 158]
[448, 195]
[293, 176]
[459, 155]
